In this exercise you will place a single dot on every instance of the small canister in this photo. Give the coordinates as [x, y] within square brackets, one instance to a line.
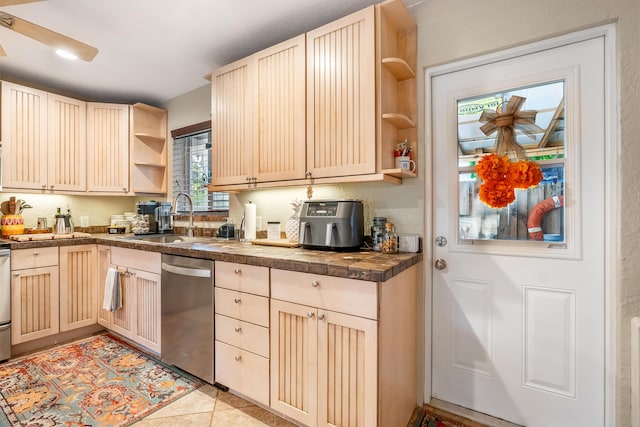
[377, 231]
[390, 239]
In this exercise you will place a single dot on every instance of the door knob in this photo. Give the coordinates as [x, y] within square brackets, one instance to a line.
[440, 264]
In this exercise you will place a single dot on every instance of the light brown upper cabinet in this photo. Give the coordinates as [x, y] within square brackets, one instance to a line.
[341, 97]
[108, 148]
[361, 100]
[258, 114]
[44, 140]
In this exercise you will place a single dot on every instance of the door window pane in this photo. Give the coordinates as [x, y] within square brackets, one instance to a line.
[485, 124]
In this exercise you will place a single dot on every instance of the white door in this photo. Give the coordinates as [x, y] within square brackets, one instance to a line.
[518, 325]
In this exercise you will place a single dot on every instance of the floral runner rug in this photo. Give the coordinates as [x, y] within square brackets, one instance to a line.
[100, 381]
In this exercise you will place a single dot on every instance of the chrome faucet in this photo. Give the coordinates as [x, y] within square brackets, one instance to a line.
[175, 209]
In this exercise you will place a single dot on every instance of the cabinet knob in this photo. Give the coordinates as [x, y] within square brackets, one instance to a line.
[16, 274]
[238, 358]
[310, 314]
[44, 186]
[51, 187]
[237, 271]
[320, 316]
[315, 283]
[36, 253]
[124, 189]
[237, 300]
[238, 329]
[308, 174]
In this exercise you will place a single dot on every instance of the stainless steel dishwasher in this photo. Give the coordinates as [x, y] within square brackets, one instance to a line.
[187, 315]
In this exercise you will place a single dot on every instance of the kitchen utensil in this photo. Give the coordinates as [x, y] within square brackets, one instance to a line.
[4, 207]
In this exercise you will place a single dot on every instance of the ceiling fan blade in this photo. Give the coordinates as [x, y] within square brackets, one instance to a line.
[48, 37]
[14, 2]
[2, 51]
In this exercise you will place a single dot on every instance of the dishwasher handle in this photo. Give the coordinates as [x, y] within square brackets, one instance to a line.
[5, 252]
[186, 271]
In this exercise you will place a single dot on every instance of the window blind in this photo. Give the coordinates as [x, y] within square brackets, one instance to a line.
[192, 173]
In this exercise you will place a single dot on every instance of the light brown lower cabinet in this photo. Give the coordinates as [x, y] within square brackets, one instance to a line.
[52, 290]
[342, 350]
[139, 317]
[78, 290]
[34, 294]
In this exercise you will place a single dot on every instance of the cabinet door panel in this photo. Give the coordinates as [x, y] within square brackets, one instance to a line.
[104, 260]
[279, 151]
[231, 124]
[24, 137]
[347, 370]
[147, 331]
[123, 320]
[341, 97]
[294, 352]
[67, 143]
[78, 287]
[34, 304]
[108, 148]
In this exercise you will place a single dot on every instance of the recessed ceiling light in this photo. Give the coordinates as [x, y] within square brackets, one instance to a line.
[66, 54]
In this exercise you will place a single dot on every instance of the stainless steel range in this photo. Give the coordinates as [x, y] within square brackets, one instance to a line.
[5, 301]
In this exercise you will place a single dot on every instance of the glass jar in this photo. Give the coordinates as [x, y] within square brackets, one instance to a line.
[377, 231]
[389, 239]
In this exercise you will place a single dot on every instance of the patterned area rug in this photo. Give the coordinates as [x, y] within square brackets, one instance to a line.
[100, 381]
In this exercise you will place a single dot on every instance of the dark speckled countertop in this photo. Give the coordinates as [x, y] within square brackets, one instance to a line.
[362, 265]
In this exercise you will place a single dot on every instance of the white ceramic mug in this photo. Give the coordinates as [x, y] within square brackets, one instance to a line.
[405, 163]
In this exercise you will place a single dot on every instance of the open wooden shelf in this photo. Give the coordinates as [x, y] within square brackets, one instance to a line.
[399, 173]
[399, 121]
[150, 139]
[150, 165]
[400, 68]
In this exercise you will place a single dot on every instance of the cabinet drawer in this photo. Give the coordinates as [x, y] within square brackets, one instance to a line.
[242, 306]
[243, 372]
[34, 258]
[244, 335]
[140, 260]
[350, 296]
[243, 278]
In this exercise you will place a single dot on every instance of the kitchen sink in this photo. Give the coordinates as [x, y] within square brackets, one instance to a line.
[166, 238]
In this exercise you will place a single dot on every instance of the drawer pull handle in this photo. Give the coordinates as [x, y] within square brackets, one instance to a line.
[321, 316]
[310, 314]
[238, 329]
[315, 283]
[237, 271]
[237, 300]
[238, 358]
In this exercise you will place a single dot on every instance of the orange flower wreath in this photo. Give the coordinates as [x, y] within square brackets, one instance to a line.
[501, 178]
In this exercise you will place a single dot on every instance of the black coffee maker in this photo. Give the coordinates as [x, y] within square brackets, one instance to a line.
[149, 209]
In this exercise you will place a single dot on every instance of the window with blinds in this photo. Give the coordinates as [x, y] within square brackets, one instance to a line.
[192, 173]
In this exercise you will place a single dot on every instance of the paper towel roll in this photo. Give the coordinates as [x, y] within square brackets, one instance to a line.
[249, 221]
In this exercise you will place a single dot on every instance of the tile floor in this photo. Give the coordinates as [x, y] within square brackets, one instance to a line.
[209, 406]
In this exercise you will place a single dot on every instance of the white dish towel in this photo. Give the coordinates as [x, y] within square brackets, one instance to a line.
[112, 299]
